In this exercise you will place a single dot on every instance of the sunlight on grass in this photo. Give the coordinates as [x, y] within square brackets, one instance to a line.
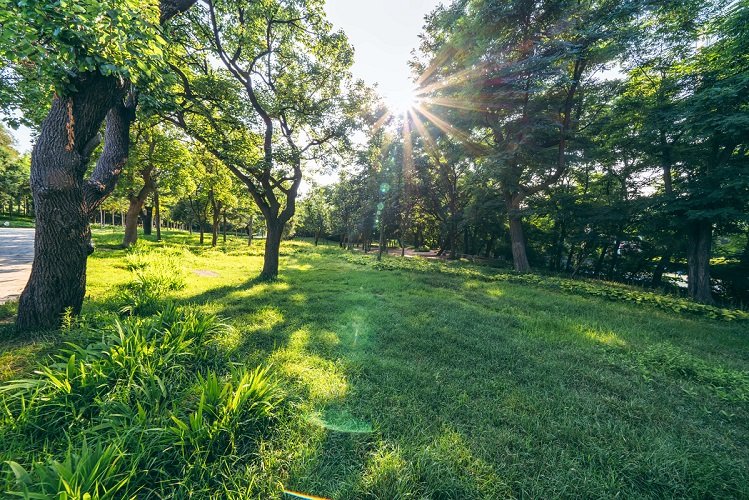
[261, 289]
[608, 338]
[321, 378]
[429, 385]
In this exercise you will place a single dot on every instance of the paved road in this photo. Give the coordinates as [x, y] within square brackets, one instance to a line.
[16, 256]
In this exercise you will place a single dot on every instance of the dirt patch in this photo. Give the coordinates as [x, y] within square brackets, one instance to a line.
[206, 274]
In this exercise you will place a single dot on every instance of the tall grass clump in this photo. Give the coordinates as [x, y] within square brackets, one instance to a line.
[143, 411]
[156, 273]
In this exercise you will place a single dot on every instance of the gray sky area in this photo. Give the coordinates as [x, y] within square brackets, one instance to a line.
[383, 33]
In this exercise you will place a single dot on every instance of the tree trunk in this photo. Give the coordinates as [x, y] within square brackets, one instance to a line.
[249, 231]
[224, 228]
[148, 221]
[67, 137]
[381, 244]
[215, 227]
[58, 274]
[517, 236]
[202, 231]
[131, 221]
[272, 248]
[157, 213]
[660, 268]
[700, 235]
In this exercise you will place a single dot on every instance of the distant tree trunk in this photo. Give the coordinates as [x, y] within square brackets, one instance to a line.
[249, 231]
[381, 245]
[317, 235]
[157, 213]
[700, 236]
[147, 221]
[202, 231]
[136, 206]
[224, 228]
[214, 228]
[660, 268]
[517, 236]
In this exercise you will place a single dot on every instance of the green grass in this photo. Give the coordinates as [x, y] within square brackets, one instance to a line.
[437, 385]
[16, 220]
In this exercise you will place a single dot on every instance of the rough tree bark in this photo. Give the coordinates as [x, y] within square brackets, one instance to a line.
[64, 200]
[272, 248]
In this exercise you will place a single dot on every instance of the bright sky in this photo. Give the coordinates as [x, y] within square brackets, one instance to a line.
[383, 33]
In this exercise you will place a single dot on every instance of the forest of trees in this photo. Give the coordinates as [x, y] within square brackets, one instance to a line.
[599, 138]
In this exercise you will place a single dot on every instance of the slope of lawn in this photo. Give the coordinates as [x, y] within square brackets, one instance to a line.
[430, 385]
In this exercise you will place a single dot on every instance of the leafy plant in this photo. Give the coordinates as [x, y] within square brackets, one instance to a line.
[96, 473]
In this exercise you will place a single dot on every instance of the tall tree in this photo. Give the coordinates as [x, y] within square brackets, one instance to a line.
[90, 54]
[521, 68]
[285, 59]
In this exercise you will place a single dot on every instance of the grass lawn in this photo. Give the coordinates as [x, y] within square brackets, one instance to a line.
[16, 220]
[426, 385]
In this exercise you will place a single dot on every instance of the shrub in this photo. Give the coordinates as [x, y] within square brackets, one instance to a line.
[156, 274]
[95, 473]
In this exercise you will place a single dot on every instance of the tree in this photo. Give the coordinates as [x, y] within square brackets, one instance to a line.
[314, 214]
[518, 72]
[293, 69]
[90, 54]
[157, 154]
[14, 176]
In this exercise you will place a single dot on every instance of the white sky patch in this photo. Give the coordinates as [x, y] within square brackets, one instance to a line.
[383, 34]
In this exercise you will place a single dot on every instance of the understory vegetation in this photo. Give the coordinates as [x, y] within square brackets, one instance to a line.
[350, 378]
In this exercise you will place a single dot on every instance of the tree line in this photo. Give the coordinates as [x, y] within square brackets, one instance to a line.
[597, 138]
[605, 139]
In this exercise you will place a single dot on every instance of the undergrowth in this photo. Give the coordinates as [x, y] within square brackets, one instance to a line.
[144, 406]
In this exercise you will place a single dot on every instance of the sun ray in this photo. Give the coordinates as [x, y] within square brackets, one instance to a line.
[382, 120]
[443, 125]
[408, 149]
[449, 102]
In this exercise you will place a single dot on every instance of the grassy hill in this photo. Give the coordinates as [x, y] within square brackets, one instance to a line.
[417, 383]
